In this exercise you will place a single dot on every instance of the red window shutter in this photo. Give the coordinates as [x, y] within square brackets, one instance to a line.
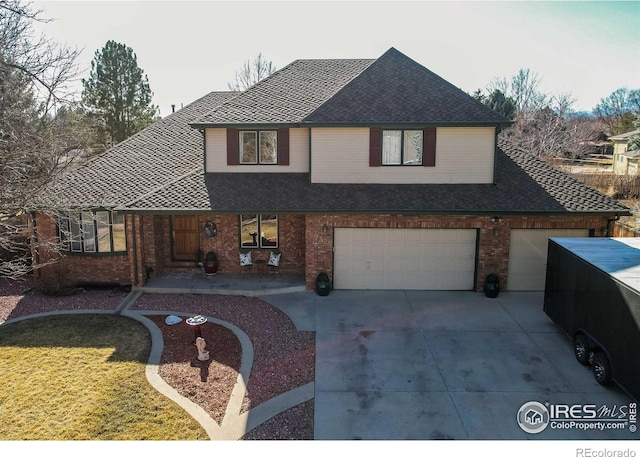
[375, 147]
[429, 150]
[232, 147]
[283, 146]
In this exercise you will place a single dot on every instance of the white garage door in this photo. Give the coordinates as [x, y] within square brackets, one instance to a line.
[528, 255]
[424, 259]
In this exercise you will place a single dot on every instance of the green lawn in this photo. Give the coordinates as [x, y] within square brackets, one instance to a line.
[82, 377]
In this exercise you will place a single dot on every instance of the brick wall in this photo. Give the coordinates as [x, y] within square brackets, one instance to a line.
[156, 251]
[493, 237]
[306, 244]
[68, 269]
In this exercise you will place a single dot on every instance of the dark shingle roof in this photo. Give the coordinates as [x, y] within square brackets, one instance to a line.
[523, 185]
[161, 167]
[396, 89]
[154, 156]
[390, 90]
[288, 95]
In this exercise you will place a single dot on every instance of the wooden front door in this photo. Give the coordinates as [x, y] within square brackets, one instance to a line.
[185, 242]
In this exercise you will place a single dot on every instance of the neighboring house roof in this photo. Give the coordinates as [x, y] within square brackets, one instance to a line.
[632, 155]
[625, 136]
[523, 185]
[164, 151]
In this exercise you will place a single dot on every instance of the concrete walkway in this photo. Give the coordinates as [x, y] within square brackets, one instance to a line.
[234, 424]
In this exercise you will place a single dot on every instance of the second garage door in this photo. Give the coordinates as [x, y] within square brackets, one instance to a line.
[423, 259]
[528, 255]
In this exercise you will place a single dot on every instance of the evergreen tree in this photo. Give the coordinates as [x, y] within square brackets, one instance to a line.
[498, 102]
[118, 91]
[634, 141]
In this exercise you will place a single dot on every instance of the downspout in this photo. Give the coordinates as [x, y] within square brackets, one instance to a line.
[610, 225]
[204, 150]
[34, 246]
[495, 154]
[135, 250]
[310, 180]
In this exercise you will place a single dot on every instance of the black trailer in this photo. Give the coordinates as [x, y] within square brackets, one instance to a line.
[592, 292]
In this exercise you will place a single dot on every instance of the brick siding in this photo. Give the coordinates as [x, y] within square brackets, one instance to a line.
[306, 244]
[493, 237]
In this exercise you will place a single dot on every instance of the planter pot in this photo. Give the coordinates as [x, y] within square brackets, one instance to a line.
[211, 264]
[492, 286]
[322, 285]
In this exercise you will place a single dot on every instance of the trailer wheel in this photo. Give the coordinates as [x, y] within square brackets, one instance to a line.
[581, 349]
[601, 368]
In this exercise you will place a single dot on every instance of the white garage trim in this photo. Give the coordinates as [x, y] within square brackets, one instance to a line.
[422, 259]
[528, 256]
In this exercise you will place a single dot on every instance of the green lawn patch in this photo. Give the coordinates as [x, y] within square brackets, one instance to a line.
[82, 377]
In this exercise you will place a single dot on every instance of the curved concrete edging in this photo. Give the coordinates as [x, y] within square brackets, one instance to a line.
[234, 424]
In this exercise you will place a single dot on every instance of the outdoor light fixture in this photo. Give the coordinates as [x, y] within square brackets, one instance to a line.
[325, 229]
[210, 229]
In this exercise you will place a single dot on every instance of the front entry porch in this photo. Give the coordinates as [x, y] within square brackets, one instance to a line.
[225, 284]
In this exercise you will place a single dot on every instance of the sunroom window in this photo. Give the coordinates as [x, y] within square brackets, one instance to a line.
[92, 232]
[402, 147]
[259, 147]
[258, 231]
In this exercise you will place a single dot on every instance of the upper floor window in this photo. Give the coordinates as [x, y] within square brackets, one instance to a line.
[92, 232]
[258, 231]
[402, 147]
[259, 147]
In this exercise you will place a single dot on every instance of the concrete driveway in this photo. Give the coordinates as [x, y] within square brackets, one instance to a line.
[421, 365]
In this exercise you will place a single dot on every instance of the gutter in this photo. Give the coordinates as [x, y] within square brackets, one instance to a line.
[308, 124]
[487, 213]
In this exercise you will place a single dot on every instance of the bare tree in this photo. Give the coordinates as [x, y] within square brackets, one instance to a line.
[523, 89]
[34, 77]
[618, 110]
[546, 131]
[251, 73]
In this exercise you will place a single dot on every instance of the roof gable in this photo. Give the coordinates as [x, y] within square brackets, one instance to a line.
[396, 89]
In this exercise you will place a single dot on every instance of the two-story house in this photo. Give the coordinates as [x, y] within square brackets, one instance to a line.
[377, 172]
[625, 162]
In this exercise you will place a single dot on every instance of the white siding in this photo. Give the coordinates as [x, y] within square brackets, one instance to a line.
[463, 155]
[216, 154]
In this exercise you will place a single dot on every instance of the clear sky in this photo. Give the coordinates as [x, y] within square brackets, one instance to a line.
[188, 49]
